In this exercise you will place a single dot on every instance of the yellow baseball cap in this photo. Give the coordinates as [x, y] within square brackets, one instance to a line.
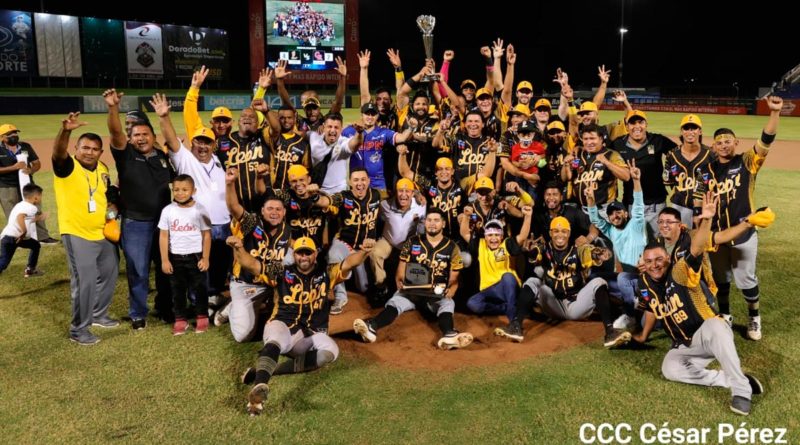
[311, 101]
[524, 85]
[542, 103]
[204, 132]
[691, 119]
[483, 92]
[221, 112]
[587, 106]
[559, 222]
[635, 113]
[7, 128]
[484, 183]
[558, 125]
[297, 171]
[520, 109]
[468, 83]
[304, 243]
[404, 184]
[444, 163]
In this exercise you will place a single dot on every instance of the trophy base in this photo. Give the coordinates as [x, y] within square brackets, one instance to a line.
[428, 78]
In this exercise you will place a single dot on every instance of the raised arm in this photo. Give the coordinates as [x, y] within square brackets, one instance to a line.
[701, 236]
[191, 118]
[490, 160]
[402, 163]
[410, 85]
[118, 137]
[444, 71]
[567, 95]
[243, 257]
[280, 74]
[356, 140]
[231, 198]
[525, 230]
[486, 52]
[341, 86]
[762, 218]
[775, 103]
[357, 258]
[620, 171]
[271, 117]
[62, 140]
[363, 77]
[399, 75]
[497, 70]
[600, 95]
[439, 137]
[463, 223]
[508, 84]
[621, 96]
[161, 107]
[456, 105]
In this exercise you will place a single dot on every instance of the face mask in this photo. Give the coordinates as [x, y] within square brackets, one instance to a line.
[12, 140]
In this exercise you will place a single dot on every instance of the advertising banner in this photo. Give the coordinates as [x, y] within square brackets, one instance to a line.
[16, 44]
[144, 50]
[187, 48]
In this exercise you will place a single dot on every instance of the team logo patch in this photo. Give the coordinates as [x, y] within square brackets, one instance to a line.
[461, 144]
[288, 277]
[433, 191]
[674, 170]
[348, 203]
[645, 294]
[293, 205]
[416, 249]
[224, 146]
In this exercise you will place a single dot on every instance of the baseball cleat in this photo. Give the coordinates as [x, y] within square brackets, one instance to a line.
[222, 315]
[338, 307]
[728, 319]
[365, 330]
[754, 328]
[455, 340]
[512, 332]
[616, 337]
[256, 398]
[740, 405]
[755, 385]
[248, 376]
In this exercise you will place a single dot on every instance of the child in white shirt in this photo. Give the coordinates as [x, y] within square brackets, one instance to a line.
[21, 230]
[185, 244]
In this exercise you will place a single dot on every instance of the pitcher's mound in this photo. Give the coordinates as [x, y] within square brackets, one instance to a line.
[410, 342]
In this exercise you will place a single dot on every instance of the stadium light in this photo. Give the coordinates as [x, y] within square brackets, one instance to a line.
[622, 32]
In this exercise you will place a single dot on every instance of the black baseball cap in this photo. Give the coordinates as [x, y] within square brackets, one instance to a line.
[369, 107]
[525, 127]
[613, 206]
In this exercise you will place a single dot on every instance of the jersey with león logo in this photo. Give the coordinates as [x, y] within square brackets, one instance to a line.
[450, 200]
[304, 218]
[301, 298]
[683, 176]
[680, 303]
[565, 270]
[290, 149]
[357, 217]
[734, 182]
[259, 243]
[592, 173]
[468, 154]
[439, 259]
[246, 154]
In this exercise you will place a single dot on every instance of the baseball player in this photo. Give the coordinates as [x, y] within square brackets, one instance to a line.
[732, 177]
[301, 290]
[435, 256]
[672, 294]
[683, 166]
[564, 293]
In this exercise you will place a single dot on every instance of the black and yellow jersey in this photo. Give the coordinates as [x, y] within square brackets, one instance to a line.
[682, 248]
[680, 302]
[290, 149]
[259, 243]
[450, 200]
[589, 172]
[467, 153]
[357, 217]
[683, 175]
[246, 153]
[440, 260]
[301, 300]
[304, 218]
[565, 270]
[734, 182]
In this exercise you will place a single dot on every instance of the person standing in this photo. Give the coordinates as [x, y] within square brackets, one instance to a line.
[81, 183]
[19, 157]
[144, 177]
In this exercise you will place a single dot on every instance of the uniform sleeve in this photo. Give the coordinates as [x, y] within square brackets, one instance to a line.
[644, 296]
[616, 159]
[405, 251]
[336, 275]
[456, 263]
[248, 223]
[191, 118]
[585, 255]
[686, 271]
[753, 161]
[349, 132]
[402, 114]
[336, 203]
[270, 272]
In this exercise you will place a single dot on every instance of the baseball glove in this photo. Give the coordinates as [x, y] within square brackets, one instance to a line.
[763, 217]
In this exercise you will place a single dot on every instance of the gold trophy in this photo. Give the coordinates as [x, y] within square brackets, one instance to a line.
[426, 24]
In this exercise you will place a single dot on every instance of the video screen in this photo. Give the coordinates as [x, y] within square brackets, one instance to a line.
[308, 34]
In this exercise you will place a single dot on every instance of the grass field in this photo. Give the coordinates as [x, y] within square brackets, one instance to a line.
[148, 387]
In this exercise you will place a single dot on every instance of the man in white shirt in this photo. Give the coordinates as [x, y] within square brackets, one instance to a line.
[400, 215]
[209, 179]
[330, 154]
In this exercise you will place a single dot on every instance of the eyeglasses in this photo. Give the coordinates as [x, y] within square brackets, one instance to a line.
[664, 222]
[484, 192]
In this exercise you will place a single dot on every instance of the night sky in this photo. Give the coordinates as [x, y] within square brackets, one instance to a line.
[669, 43]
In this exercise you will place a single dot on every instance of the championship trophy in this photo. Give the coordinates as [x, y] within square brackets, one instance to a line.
[426, 24]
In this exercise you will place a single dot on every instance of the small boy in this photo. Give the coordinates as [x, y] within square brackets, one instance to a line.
[21, 230]
[185, 244]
